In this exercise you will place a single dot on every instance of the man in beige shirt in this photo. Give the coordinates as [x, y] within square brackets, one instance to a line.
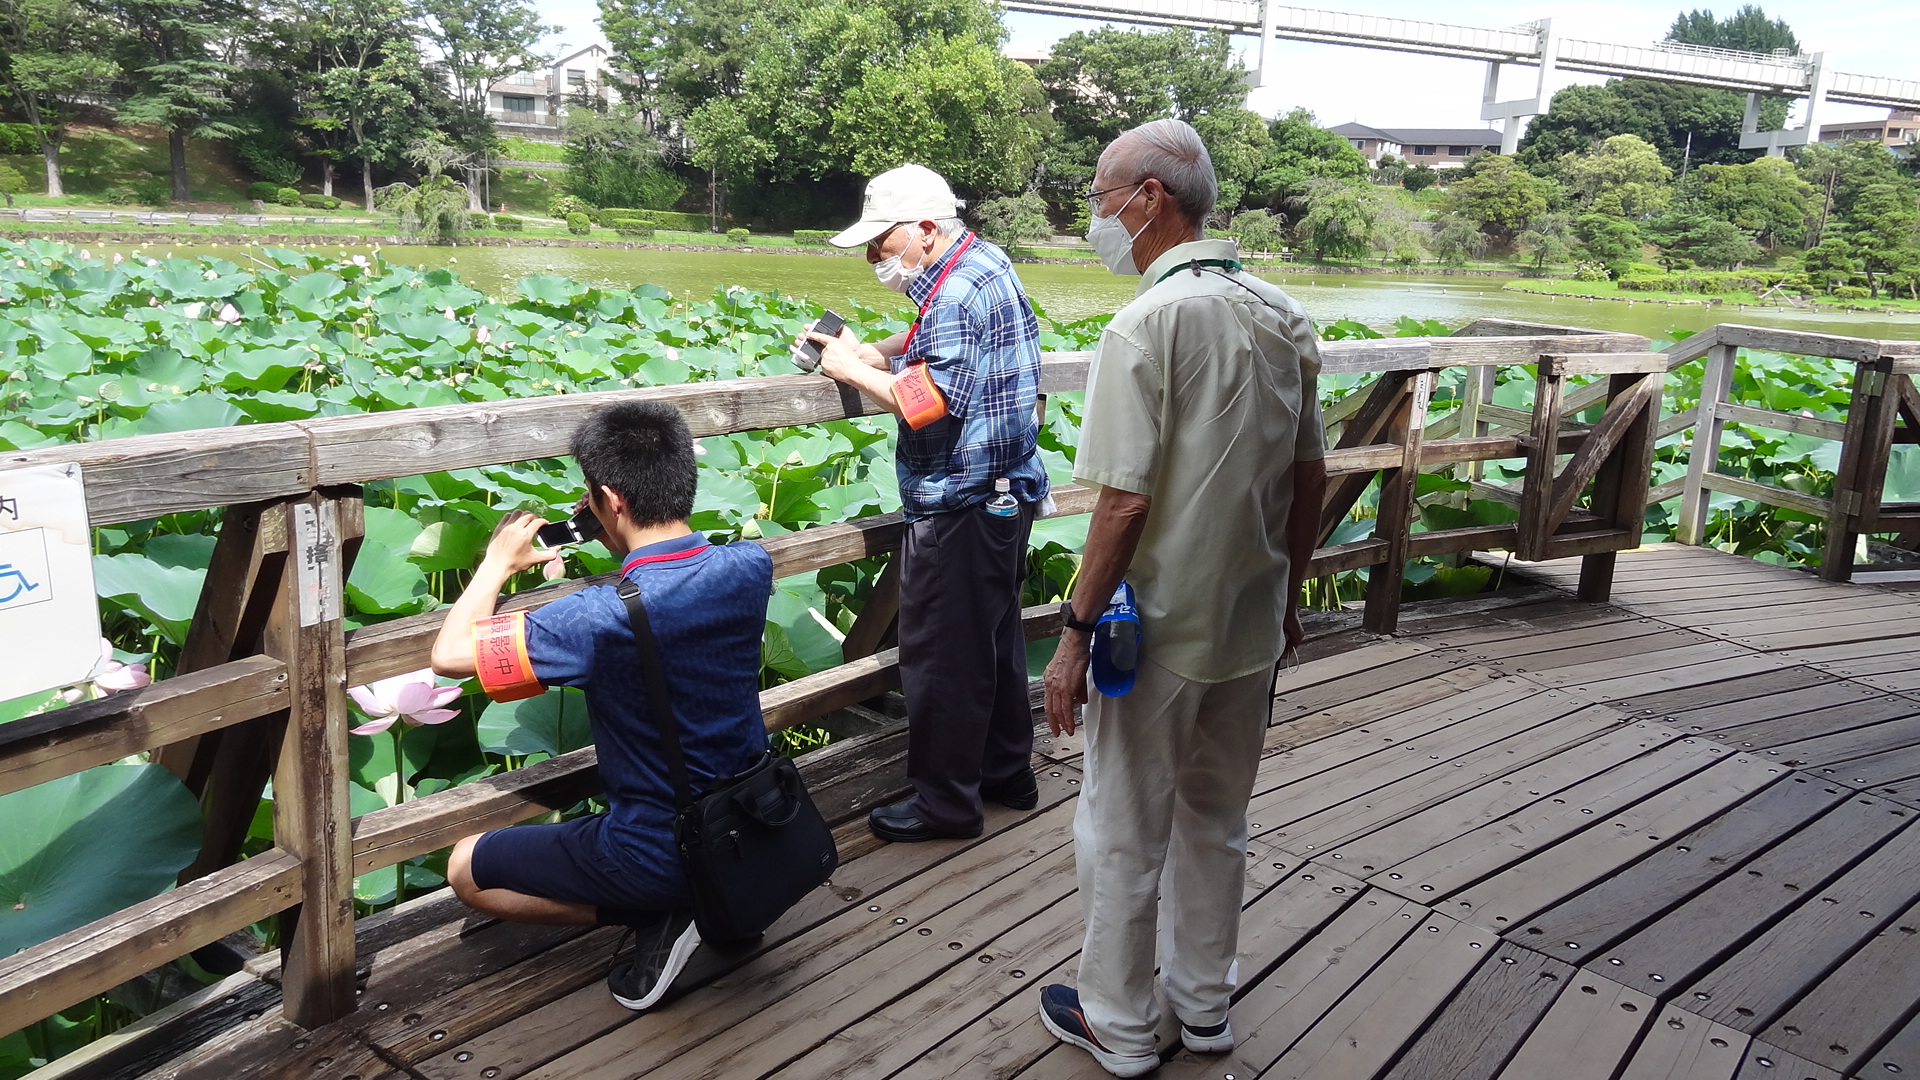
[1202, 429]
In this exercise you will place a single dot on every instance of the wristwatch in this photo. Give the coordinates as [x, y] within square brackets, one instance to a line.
[1066, 615]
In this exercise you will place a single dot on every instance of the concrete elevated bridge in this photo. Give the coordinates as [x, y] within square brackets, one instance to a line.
[1534, 44]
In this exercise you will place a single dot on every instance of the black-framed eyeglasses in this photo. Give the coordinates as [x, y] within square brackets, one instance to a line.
[873, 245]
[1091, 194]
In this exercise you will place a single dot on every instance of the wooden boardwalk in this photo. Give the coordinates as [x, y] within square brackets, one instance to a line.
[1671, 836]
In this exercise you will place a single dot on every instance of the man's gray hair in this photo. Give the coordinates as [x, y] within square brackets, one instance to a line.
[948, 226]
[1171, 152]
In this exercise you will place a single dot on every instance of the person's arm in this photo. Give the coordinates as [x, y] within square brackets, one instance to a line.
[1119, 517]
[845, 360]
[1309, 480]
[509, 552]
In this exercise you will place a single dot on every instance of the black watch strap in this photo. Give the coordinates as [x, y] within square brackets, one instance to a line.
[1066, 615]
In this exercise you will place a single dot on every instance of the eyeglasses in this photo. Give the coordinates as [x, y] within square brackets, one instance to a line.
[1091, 194]
[873, 245]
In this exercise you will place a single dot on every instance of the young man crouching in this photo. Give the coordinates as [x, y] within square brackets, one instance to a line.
[708, 607]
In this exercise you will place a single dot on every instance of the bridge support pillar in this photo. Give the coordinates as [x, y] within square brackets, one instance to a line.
[1258, 77]
[1775, 143]
[1517, 112]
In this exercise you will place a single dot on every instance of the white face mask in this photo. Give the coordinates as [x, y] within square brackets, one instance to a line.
[1112, 242]
[895, 276]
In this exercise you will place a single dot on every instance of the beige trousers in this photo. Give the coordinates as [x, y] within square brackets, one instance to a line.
[1160, 843]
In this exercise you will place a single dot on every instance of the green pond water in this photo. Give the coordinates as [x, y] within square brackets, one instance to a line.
[1073, 292]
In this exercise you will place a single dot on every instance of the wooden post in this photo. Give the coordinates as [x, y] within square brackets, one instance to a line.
[1385, 402]
[1543, 458]
[1869, 386]
[1477, 391]
[1395, 520]
[877, 617]
[310, 814]
[1716, 382]
[1620, 487]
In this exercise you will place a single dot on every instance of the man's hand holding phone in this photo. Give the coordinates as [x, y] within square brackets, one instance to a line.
[511, 549]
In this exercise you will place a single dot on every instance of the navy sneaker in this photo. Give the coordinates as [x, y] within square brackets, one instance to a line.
[661, 949]
[1214, 1039]
[1060, 1012]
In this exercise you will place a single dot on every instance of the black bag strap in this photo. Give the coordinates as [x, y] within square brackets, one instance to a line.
[659, 700]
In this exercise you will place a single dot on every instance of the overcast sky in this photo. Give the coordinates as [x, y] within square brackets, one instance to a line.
[1387, 89]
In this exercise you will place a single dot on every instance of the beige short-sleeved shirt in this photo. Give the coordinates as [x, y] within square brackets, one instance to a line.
[1202, 395]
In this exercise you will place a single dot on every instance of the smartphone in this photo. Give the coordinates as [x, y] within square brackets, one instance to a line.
[578, 529]
[806, 355]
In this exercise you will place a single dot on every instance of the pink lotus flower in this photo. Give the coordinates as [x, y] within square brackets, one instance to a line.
[228, 314]
[111, 677]
[413, 697]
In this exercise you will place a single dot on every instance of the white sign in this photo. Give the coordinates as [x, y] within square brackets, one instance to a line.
[49, 617]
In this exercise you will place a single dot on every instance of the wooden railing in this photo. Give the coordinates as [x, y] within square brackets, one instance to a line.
[262, 675]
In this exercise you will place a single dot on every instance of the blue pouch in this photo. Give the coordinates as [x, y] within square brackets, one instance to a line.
[1116, 644]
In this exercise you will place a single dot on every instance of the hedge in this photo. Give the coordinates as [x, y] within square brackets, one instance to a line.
[264, 190]
[579, 224]
[507, 222]
[813, 237]
[738, 236]
[635, 230]
[478, 220]
[287, 196]
[615, 216]
[314, 201]
[1705, 281]
[677, 222]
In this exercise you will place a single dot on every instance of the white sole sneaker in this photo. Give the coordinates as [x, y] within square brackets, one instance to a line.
[677, 957]
[1123, 1065]
[1218, 1043]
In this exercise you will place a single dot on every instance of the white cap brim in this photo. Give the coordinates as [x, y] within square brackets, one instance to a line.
[861, 233]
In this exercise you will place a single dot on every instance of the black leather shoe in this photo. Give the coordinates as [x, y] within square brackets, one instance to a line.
[1021, 792]
[900, 824]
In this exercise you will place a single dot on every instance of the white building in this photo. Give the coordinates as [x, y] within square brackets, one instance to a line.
[533, 104]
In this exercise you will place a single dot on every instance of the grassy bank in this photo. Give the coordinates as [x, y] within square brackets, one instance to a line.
[1611, 290]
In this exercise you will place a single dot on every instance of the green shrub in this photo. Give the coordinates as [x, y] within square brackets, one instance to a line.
[18, 139]
[579, 224]
[478, 220]
[287, 196]
[264, 190]
[615, 216]
[1851, 292]
[11, 183]
[313, 201]
[121, 195]
[565, 206]
[636, 230]
[677, 222]
[813, 237]
[508, 222]
[153, 191]
[738, 236]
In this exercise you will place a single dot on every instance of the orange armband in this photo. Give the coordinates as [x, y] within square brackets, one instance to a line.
[500, 657]
[920, 400]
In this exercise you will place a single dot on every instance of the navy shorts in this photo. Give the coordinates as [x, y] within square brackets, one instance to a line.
[575, 861]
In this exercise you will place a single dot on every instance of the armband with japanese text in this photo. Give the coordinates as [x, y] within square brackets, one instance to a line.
[920, 400]
[500, 657]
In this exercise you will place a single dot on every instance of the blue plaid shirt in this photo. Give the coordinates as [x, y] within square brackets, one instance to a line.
[981, 344]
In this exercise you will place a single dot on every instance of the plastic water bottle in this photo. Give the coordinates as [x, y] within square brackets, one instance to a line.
[1003, 504]
[1122, 635]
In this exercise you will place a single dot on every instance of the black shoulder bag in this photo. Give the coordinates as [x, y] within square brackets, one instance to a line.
[754, 844]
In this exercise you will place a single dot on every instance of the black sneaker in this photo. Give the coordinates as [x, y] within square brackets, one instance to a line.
[661, 948]
[1019, 792]
[1060, 1013]
[1211, 1039]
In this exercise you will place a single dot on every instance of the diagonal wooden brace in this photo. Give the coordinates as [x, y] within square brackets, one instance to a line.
[1600, 445]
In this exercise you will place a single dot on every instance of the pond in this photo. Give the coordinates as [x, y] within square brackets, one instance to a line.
[1068, 292]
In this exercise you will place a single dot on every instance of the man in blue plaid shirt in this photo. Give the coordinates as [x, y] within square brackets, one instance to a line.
[965, 382]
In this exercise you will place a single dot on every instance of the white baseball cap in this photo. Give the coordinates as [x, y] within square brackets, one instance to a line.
[908, 193]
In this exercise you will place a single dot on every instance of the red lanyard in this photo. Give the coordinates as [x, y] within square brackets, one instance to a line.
[939, 281]
[666, 556]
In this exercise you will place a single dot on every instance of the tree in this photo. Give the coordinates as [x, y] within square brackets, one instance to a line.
[1830, 263]
[1015, 219]
[179, 82]
[11, 183]
[1748, 30]
[1102, 82]
[1766, 197]
[436, 208]
[1497, 194]
[53, 58]
[1419, 178]
[480, 41]
[1549, 239]
[366, 71]
[1704, 240]
[1455, 239]
[1839, 173]
[1623, 177]
[1885, 232]
[1611, 240]
[1688, 125]
[1341, 219]
[1257, 230]
[1299, 150]
[613, 160]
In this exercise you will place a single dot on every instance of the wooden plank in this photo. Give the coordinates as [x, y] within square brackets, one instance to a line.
[148, 1044]
[1704, 455]
[1553, 670]
[1397, 507]
[1752, 988]
[1679, 1046]
[1522, 891]
[1860, 1004]
[1860, 707]
[1591, 921]
[39, 981]
[396, 833]
[1544, 806]
[1384, 401]
[1708, 671]
[1624, 363]
[1536, 497]
[1764, 1062]
[1670, 954]
[1898, 730]
[1705, 705]
[1766, 494]
[1620, 484]
[1360, 1036]
[1585, 1035]
[1484, 1024]
[1899, 1056]
[36, 749]
[310, 816]
[150, 476]
[1779, 421]
[1799, 342]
